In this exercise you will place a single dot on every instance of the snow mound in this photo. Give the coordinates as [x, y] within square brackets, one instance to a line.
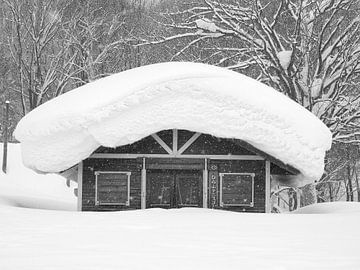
[128, 106]
[176, 239]
[330, 208]
[22, 187]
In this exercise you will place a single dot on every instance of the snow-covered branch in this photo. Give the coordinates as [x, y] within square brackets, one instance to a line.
[314, 59]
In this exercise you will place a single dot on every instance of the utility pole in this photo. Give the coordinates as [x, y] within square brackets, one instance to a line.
[6, 126]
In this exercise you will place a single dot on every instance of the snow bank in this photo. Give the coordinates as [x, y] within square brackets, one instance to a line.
[22, 187]
[125, 107]
[330, 208]
[155, 239]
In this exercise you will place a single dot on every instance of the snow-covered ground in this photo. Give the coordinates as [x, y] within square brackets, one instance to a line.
[24, 188]
[176, 239]
[330, 208]
[163, 239]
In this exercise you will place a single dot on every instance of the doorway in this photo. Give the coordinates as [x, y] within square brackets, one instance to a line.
[174, 188]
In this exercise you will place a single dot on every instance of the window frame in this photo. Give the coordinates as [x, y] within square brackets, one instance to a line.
[97, 202]
[251, 204]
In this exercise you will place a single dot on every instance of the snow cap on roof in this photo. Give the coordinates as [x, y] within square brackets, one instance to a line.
[128, 106]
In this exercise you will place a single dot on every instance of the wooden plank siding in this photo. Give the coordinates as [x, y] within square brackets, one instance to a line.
[239, 166]
[221, 155]
[175, 163]
[91, 165]
[209, 145]
[215, 167]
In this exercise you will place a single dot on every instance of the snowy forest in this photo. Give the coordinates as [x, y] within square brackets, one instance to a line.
[307, 49]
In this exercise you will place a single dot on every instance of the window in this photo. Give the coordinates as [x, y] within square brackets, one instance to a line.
[112, 188]
[237, 189]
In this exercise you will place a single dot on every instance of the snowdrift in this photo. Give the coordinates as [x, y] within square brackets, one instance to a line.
[156, 239]
[125, 107]
[330, 208]
[22, 187]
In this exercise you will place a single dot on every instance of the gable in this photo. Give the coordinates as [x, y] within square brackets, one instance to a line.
[147, 145]
[189, 143]
[210, 145]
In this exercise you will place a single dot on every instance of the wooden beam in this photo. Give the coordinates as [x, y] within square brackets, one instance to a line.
[205, 186]
[189, 142]
[175, 141]
[174, 164]
[162, 143]
[221, 157]
[143, 185]
[79, 188]
[267, 187]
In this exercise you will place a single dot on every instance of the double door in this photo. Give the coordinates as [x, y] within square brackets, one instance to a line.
[173, 188]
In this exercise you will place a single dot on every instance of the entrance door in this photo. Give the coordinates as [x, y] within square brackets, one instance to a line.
[188, 188]
[159, 189]
[173, 188]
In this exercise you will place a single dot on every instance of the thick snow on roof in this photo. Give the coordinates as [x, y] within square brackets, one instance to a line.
[125, 107]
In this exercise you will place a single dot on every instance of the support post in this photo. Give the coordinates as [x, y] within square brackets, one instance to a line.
[214, 184]
[267, 187]
[175, 142]
[143, 185]
[79, 188]
[6, 126]
[205, 185]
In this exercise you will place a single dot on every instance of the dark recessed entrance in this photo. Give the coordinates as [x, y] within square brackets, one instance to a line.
[174, 188]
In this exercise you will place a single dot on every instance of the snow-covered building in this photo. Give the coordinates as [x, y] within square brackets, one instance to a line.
[175, 135]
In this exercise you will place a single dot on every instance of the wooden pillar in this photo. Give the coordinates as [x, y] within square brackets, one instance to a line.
[6, 126]
[79, 188]
[213, 188]
[267, 187]
[175, 141]
[143, 185]
[205, 185]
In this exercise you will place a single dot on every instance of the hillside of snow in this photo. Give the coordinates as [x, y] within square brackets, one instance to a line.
[330, 208]
[177, 239]
[24, 188]
[34, 237]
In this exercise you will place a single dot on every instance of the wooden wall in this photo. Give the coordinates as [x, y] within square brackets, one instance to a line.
[204, 145]
[99, 164]
[215, 167]
[237, 166]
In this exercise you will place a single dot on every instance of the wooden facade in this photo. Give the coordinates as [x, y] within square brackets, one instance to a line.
[178, 168]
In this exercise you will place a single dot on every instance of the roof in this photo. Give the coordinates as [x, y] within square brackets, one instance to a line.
[128, 106]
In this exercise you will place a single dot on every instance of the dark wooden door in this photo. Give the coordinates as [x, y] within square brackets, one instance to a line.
[173, 188]
[188, 188]
[160, 189]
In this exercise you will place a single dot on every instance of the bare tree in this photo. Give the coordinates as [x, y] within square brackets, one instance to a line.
[357, 183]
[93, 34]
[57, 45]
[40, 60]
[307, 49]
[340, 180]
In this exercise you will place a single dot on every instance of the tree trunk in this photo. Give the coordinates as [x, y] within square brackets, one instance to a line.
[350, 195]
[357, 185]
[330, 192]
